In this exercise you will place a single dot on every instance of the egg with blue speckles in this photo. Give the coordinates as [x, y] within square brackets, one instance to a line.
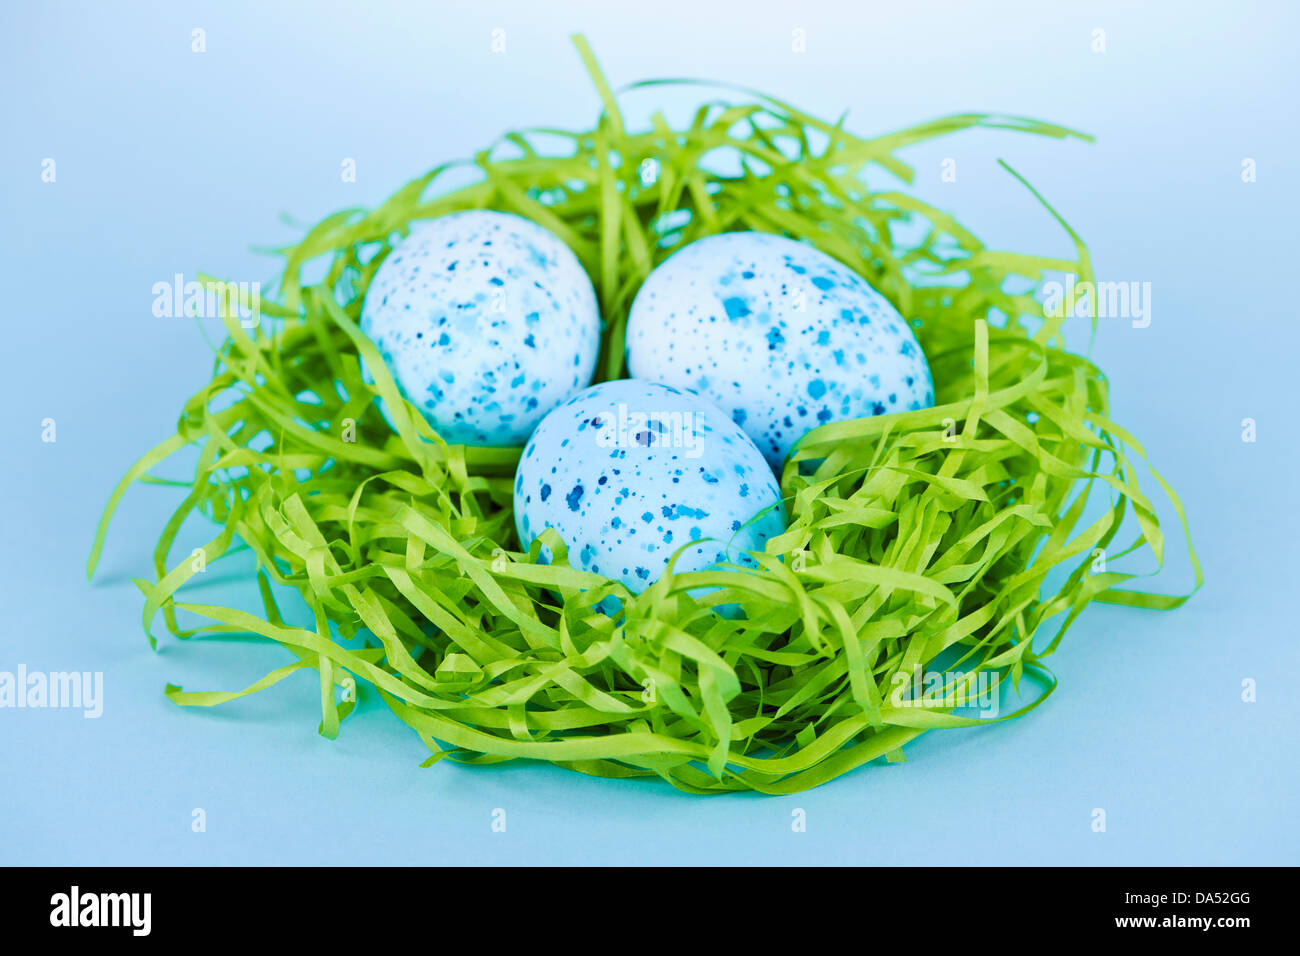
[629, 472]
[487, 322]
[777, 334]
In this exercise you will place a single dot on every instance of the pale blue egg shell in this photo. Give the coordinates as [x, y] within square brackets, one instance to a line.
[625, 500]
[779, 335]
[487, 322]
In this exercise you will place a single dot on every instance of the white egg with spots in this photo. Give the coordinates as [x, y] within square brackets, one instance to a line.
[487, 322]
[779, 335]
[629, 472]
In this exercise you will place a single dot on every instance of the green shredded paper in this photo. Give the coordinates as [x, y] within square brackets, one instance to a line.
[917, 542]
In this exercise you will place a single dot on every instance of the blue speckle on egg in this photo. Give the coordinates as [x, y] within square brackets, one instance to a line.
[807, 341]
[487, 322]
[627, 472]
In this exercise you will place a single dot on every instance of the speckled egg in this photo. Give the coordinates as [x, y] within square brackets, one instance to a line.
[487, 322]
[627, 472]
[780, 336]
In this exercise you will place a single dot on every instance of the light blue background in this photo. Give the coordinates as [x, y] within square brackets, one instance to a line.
[170, 161]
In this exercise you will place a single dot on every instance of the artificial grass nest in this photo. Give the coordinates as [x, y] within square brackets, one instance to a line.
[919, 540]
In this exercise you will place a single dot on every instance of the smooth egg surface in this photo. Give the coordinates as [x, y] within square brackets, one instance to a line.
[487, 322]
[627, 472]
[779, 335]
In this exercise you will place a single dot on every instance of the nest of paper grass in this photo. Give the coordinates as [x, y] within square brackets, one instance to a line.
[917, 542]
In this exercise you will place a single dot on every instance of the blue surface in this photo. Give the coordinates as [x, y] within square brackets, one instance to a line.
[171, 161]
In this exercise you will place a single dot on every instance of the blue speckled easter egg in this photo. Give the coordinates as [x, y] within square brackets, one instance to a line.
[780, 336]
[627, 472]
[487, 322]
